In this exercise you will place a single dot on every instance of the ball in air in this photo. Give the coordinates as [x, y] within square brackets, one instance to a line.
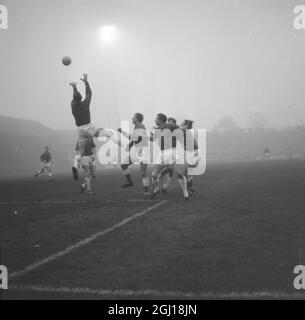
[66, 61]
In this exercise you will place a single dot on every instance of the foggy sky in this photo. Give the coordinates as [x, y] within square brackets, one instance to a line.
[197, 59]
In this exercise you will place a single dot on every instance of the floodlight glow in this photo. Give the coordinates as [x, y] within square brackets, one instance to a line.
[109, 34]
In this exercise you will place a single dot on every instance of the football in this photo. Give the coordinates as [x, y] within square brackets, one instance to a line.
[66, 61]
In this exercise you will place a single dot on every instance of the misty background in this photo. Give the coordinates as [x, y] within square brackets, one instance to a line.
[230, 65]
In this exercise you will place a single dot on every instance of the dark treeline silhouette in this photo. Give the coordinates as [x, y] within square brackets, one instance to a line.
[228, 141]
[22, 142]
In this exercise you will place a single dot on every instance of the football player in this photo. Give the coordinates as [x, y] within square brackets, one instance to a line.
[138, 153]
[81, 113]
[45, 159]
[191, 152]
[87, 151]
[167, 158]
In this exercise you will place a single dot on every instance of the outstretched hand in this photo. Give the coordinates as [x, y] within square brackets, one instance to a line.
[123, 132]
[73, 84]
[85, 78]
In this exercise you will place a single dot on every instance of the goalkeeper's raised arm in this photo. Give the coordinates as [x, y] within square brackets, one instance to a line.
[88, 89]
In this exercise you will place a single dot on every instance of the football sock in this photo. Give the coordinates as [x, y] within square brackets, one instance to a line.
[128, 178]
[163, 174]
[126, 170]
[93, 170]
[156, 185]
[168, 180]
[88, 184]
[146, 182]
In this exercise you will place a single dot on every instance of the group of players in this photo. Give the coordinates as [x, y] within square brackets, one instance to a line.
[137, 151]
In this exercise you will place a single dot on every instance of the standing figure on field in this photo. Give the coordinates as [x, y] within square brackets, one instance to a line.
[168, 172]
[138, 153]
[45, 160]
[192, 157]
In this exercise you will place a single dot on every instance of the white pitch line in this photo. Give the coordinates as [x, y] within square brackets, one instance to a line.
[73, 202]
[159, 293]
[41, 202]
[82, 243]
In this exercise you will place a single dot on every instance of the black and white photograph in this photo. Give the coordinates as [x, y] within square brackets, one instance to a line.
[152, 150]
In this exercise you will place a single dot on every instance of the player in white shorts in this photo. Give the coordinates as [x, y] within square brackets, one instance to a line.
[191, 152]
[168, 173]
[45, 160]
[138, 153]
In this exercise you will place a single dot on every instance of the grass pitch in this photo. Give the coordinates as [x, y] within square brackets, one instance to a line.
[240, 236]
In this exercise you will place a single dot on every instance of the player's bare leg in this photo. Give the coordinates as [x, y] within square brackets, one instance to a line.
[190, 186]
[39, 173]
[192, 161]
[163, 173]
[157, 169]
[182, 181]
[86, 185]
[93, 171]
[76, 166]
[50, 174]
[167, 179]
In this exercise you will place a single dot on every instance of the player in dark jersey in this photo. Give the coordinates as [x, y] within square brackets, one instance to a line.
[167, 157]
[45, 160]
[138, 153]
[81, 113]
[80, 107]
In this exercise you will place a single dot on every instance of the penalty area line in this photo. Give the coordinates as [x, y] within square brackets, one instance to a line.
[84, 242]
[158, 293]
